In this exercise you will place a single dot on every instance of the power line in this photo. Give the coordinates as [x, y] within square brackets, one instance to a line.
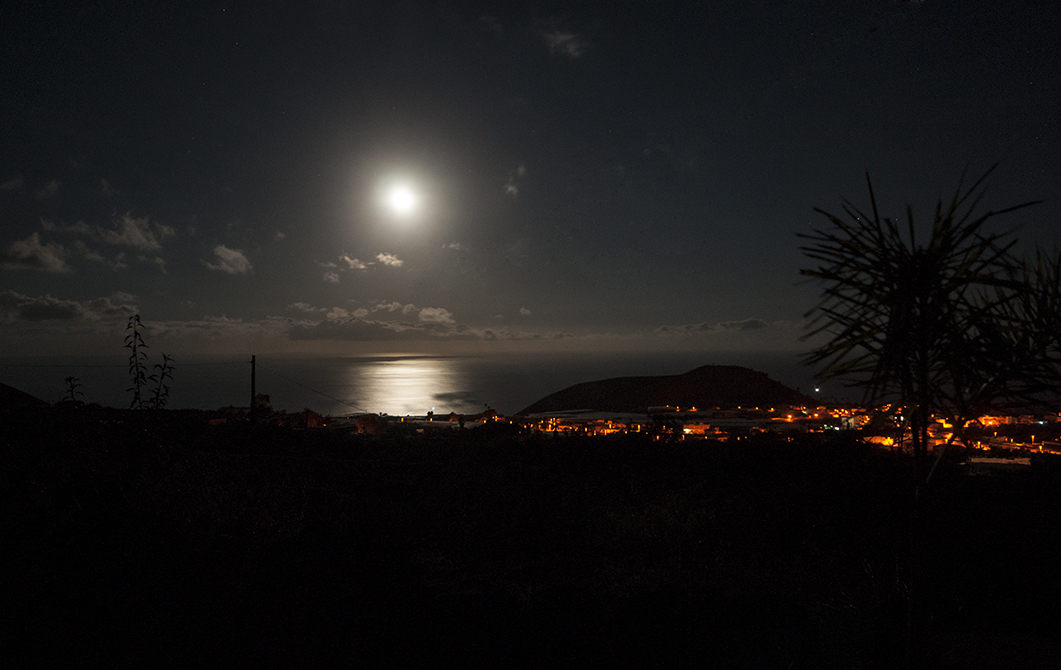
[310, 388]
[192, 365]
[114, 366]
[56, 365]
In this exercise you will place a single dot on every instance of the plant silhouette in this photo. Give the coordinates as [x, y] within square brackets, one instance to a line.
[73, 389]
[164, 373]
[134, 342]
[941, 326]
[950, 326]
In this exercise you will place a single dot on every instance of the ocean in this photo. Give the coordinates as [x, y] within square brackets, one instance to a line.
[397, 385]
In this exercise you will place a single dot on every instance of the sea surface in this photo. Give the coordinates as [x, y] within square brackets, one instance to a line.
[396, 385]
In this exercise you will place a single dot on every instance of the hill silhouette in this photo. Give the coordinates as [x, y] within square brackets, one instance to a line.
[707, 386]
[13, 398]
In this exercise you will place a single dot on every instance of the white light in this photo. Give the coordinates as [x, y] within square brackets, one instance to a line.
[401, 200]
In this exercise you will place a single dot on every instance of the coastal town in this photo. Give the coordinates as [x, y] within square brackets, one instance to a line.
[882, 426]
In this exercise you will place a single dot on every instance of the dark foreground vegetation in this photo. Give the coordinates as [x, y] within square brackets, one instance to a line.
[137, 539]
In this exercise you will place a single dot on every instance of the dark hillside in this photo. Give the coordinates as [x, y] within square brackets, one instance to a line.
[139, 539]
[707, 386]
[12, 398]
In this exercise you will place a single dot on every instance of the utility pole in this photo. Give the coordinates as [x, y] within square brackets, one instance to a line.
[253, 392]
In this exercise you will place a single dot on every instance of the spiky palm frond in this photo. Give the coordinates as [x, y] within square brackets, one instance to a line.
[898, 314]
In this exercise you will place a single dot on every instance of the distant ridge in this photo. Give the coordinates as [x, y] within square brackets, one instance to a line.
[12, 398]
[707, 386]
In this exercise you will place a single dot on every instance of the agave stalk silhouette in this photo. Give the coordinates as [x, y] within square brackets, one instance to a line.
[73, 389]
[134, 342]
[163, 373]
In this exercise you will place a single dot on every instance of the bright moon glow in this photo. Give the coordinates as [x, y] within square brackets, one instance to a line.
[401, 200]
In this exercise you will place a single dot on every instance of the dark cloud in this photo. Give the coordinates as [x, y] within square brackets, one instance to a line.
[367, 330]
[49, 190]
[742, 325]
[140, 233]
[305, 307]
[359, 330]
[565, 43]
[746, 324]
[31, 254]
[18, 307]
[16, 183]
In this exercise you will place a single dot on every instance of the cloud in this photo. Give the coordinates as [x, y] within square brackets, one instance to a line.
[389, 259]
[394, 307]
[365, 330]
[746, 324]
[435, 315]
[30, 254]
[723, 327]
[18, 307]
[15, 306]
[87, 252]
[332, 314]
[457, 246]
[118, 305]
[511, 187]
[523, 311]
[279, 236]
[566, 44]
[16, 183]
[80, 227]
[305, 307]
[355, 264]
[357, 330]
[220, 328]
[430, 324]
[232, 261]
[49, 190]
[331, 277]
[139, 233]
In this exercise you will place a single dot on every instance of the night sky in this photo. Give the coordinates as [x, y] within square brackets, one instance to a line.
[364, 177]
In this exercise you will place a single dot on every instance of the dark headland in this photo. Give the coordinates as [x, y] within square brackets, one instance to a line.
[706, 386]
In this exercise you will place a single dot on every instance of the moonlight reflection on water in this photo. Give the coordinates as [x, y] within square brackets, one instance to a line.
[402, 386]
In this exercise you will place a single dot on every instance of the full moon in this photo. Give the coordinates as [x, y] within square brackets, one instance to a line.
[401, 200]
